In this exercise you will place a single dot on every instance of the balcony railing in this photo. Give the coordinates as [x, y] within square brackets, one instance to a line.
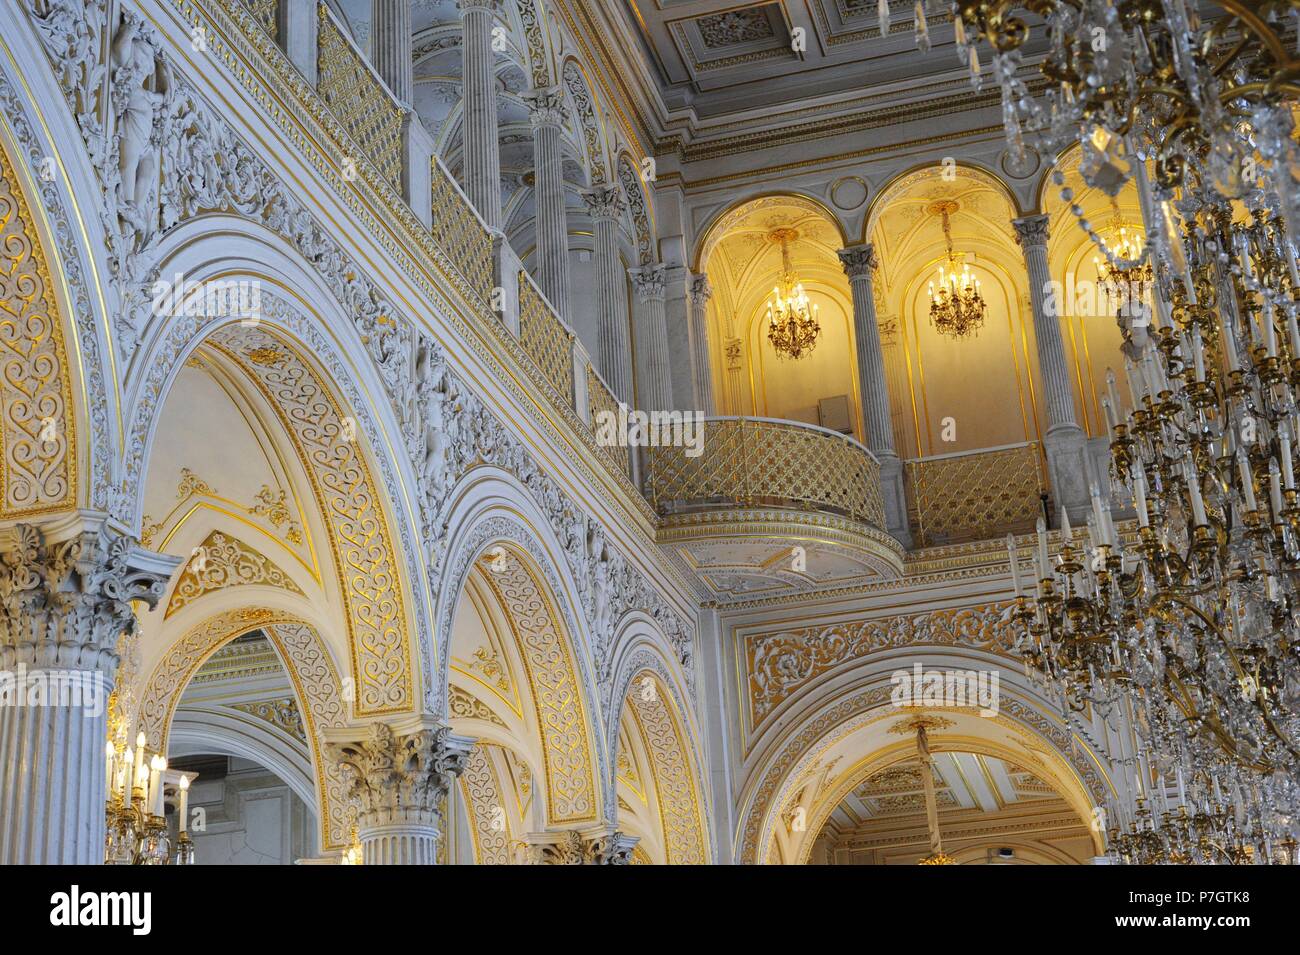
[765, 462]
[973, 495]
[358, 98]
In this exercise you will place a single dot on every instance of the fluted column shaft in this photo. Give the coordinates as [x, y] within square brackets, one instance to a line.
[398, 779]
[656, 385]
[859, 262]
[1031, 233]
[873, 387]
[547, 112]
[605, 204]
[701, 367]
[482, 156]
[65, 606]
[390, 45]
[1065, 444]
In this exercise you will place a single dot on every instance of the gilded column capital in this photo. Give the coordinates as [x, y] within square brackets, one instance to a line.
[649, 282]
[1031, 231]
[66, 590]
[546, 107]
[701, 290]
[468, 6]
[604, 202]
[858, 260]
[398, 777]
[601, 846]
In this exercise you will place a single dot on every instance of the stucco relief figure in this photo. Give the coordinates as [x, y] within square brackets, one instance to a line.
[70, 31]
[598, 564]
[141, 85]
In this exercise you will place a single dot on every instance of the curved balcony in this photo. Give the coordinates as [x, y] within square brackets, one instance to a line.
[770, 508]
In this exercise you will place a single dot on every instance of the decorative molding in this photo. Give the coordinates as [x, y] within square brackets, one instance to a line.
[782, 663]
[281, 713]
[555, 689]
[461, 704]
[223, 561]
[38, 430]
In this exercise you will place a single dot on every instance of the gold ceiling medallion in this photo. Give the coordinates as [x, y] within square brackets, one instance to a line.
[791, 322]
[956, 307]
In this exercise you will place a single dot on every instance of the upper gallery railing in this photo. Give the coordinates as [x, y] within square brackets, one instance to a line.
[367, 113]
[765, 462]
[972, 495]
[358, 97]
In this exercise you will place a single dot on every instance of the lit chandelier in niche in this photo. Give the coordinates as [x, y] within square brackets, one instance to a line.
[956, 306]
[791, 321]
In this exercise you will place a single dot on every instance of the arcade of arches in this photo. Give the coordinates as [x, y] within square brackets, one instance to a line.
[311, 336]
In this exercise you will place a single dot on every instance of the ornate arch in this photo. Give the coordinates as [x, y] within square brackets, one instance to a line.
[777, 776]
[721, 223]
[532, 18]
[909, 177]
[522, 577]
[655, 710]
[54, 339]
[488, 823]
[574, 79]
[311, 671]
[335, 439]
[882, 759]
[638, 208]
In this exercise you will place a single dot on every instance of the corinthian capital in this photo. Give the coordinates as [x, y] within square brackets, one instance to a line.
[397, 776]
[604, 202]
[858, 260]
[465, 6]
[546, 106]
[701, 290]
[66, 591]
[648, 282]
[601, 846]
[1031, 231]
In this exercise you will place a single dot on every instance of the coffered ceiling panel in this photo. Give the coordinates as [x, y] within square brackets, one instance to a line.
[717, 59]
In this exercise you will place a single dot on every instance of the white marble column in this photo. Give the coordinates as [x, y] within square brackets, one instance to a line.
[482, 156]
[398, 777]
[701, 367]
[614, 354]
[65, 591]
[652, 339]
[390, 45]
[859, 262]
[547, 111]
[1065, 442]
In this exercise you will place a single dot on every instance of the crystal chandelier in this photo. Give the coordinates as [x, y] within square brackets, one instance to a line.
[791, 322]
[956, 307]
[1185, 633]
[136, 831]
[1126, 242]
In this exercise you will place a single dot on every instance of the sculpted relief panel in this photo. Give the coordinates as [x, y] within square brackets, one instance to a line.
[780, 664]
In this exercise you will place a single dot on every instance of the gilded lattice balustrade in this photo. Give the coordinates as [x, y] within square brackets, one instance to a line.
[358, 99]
[760, 461]
[459, 233]
[973, 495]
[267, 13]
[600, 400]
[544, 337]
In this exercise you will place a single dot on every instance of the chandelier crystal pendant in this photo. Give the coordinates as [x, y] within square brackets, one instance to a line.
[792, 326]
[957, 308]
